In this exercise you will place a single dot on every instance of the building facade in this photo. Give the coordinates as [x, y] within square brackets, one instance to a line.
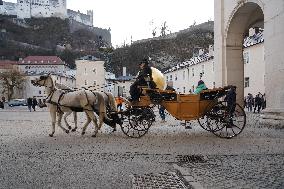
[90, 73]
[44, 9]
[184, 76]
[233, 18]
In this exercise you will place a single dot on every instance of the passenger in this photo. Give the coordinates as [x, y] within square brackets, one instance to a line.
[145, 72]
[200, 87]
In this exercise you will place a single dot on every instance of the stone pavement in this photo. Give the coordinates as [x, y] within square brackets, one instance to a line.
[169, 156]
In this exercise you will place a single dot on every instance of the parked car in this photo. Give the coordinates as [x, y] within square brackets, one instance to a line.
[17, 102]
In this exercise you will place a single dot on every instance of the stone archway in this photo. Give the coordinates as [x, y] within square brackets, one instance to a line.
[243, 17]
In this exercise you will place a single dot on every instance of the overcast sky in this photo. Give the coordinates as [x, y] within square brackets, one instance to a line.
[137, 18]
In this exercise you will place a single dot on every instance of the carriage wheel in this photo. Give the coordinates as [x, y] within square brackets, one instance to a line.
[137, 122]
[210, 121]
[232, 124]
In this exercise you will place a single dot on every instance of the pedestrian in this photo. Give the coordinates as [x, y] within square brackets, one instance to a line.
[162, 113]
[263, 101]
[34, 103]
[1, 104]
[249, 102]
[30, 103]
[119, 102]
[257, 103]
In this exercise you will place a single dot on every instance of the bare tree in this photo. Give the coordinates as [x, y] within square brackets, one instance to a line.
[10, 81]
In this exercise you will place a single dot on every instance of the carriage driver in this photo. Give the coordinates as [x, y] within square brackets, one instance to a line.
[141, 80]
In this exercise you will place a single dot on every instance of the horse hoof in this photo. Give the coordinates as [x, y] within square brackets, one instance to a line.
[73, 130]
[51, 135]
[93, 136]
[67, 131]
[82, 133]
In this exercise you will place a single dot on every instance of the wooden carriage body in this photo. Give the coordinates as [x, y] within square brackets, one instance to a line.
[181, 106]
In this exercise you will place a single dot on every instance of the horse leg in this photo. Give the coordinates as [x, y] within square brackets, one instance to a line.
[65, 120]
[59, 122]
[86, 124]
[94, 119]
[75, 121]
[53, 120]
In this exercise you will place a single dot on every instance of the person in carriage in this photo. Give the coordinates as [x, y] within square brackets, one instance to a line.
[144, 78]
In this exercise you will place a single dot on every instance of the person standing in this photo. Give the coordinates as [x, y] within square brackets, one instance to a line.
[200, 87]
[257, 103]
[34, 103]
[162, 113]
[249, 102]
[30, 103]
[119, 102]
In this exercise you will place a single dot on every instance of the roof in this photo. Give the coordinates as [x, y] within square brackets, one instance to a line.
[41, 60]
[253, 40]
[7, 64]
[193, 61]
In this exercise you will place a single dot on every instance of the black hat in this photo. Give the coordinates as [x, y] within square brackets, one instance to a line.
[144, 60]
[200, 82]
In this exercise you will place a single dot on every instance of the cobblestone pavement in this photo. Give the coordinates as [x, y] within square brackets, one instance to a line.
[169, 156]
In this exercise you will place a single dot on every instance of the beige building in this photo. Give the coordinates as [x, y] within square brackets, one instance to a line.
[233, 18]
[90, 73]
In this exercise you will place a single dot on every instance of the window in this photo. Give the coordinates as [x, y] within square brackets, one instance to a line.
[246, 82]
[183, 75]
[39, 92]
[86, 82]
[167, 78]
[171, 77]
[246, 57]
[176, 77]
[202, 68]
[94, 70]
[213, 66]
[95, 82]
[85, 71]
[192, 70]
[183, 89]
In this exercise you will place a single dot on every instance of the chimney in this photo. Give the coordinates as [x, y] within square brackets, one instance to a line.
[124, 71]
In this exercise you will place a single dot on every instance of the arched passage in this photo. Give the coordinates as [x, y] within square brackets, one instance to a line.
[244, 16]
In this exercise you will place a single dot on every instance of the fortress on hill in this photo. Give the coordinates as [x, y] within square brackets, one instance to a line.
[44, 8]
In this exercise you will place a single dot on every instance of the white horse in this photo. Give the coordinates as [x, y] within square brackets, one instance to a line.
[111, 110]
[60, 101]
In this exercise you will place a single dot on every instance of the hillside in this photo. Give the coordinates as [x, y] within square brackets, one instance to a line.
[164, 51]
[46, 36]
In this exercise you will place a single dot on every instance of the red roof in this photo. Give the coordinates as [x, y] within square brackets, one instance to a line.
[41, 60]
[7, 64]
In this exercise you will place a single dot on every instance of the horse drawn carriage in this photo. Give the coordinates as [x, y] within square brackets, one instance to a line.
[213, 114]
[208, 108]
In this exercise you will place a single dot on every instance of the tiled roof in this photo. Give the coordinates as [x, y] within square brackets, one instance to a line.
[7, 64]
[192, 61]
[41, 60]
[253, 40]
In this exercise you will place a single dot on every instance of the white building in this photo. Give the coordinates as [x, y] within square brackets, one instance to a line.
[254, 65]
[90, 73]
[45, 9]
[42, 64]
[185, 76]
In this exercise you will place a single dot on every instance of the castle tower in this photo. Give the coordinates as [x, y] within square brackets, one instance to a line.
[91, 14]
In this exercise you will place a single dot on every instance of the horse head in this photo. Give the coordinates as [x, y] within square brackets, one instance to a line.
[44, 80]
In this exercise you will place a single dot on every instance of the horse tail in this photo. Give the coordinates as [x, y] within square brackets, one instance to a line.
[102, 106]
